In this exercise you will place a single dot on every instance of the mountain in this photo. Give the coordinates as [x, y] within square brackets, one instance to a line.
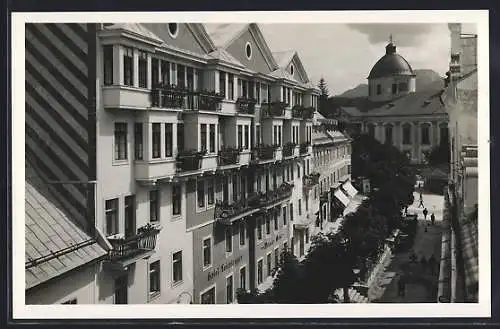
[425, 80]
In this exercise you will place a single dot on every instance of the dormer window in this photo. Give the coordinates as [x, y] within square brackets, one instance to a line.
[173, 29]
[248, 50]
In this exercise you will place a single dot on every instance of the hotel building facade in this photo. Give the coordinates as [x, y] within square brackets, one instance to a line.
[172, 154]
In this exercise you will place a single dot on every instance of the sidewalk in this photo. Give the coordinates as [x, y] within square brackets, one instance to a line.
[422, 286]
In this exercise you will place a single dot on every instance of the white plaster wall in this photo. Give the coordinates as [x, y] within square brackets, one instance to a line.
[386, 83]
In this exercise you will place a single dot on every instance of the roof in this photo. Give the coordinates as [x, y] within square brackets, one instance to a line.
[135, 28]
[426, 102]
[281, 73]
[283, 58]
[223, 55]
[223, 34]
[52, 240]
[319, 136]
[390, 64]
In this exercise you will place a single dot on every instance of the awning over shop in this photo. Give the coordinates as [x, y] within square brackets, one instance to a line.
[342, 197]
[350, 189]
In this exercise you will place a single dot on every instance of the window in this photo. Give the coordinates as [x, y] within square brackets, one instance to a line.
[210, 191]
[129, 216]
[257, 94]
[173, 29]
[200, 191]
[154, 206]
[203, 136]
[300, 207]
[371, 130]
[222, 83]
[180, 137]
[279, 135]
[143, 69]
[207, 252]
[284, 216]
[156, 145]
[269, 264]
[155, 72]
[208, 297]
[307, 236]
[111, 212]
[230, 86]
[298, 170]
[168, 139]
[120, 141]
[240, 136]
[276, 257]
[388, 135]
[177, 266]
[425, 134]
[128, 66]
[259, 229]
[71, 301]
[107, 52]
[154, 278]
[379, 89]
[181, 78]
[138, 141]
[212, 138]
[394, 89]
[291, 212]
[225, 189]
[235, 188]
[243, 278]
[176, 199]
[242, 234]
[165, 72]
[229, 290]
[406, 134]
[276, 221]
[260, 269]
[248, 50]
[247, 137]
[229, 239]
[268, 225]
[257, 135]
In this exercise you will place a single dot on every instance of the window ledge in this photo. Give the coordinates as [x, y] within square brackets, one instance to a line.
[159, 160]
[176, 218]
[124, 87]
[120, 162]
[205, 268]
[178, 283]
[154, 296]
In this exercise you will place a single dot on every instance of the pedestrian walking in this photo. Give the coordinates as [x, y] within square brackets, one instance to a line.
[432, 264]
[423, 262]
[433, 219]
[425, 212]
[421, 204]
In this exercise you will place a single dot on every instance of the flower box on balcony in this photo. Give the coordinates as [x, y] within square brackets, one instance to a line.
[275, 109]
[304, 148]
[168, 96]
[264, 152]
[143, 241]
[209, 101]
[189, 160]
[297, 111]
[246, 105]
[288, 149]
[310, 180]
[229, 156]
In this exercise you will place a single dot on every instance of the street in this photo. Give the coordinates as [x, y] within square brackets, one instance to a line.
[421, 285]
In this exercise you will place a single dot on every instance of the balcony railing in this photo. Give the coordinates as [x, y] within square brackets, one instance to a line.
[171, 96]
[308, 181]
[226, 213]
[189, 160]
[208, 101]
[270, 197]
[264, 152]
[229, 156]
[288, 149]
[304, 147]
[144, 241]
[246, 105]
[298, 111]
[275, 109]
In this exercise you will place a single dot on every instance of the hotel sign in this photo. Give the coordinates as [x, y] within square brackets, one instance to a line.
[271, 242]
[216, 271]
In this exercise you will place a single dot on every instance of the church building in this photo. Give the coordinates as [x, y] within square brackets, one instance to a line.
[395, 112]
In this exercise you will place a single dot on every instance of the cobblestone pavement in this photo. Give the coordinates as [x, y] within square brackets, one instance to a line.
[422, 285]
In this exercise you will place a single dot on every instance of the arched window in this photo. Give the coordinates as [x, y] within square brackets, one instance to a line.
[406, 134]
[425, 130]
[388, 134]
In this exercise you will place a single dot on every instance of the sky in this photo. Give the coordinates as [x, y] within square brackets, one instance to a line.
[344, 53]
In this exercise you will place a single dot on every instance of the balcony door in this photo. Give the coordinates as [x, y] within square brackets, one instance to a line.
[121, 290]
[129, 216]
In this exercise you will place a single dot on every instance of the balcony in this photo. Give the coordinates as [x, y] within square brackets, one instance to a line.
[300, 112]
[288, 149]
[264, 153]
[229, 156]
[303, 222]
[226, 213]
[126, 251]
[170, 97]
[208, 101]
[273, 110]
[305, 148]
[125, 97]
[189, 160]
[309, 181]
[154, 169]
[271, 198]
[246, 105]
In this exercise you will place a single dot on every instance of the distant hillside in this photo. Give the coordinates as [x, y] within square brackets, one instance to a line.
[425, 80]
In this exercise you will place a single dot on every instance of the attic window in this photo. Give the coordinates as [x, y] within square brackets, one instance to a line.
[248, 50]
[291, 69]
[173, 29]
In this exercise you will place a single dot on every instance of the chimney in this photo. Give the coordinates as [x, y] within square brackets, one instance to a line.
[455, 60]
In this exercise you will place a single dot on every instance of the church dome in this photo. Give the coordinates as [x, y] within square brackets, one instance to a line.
[390, 64]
